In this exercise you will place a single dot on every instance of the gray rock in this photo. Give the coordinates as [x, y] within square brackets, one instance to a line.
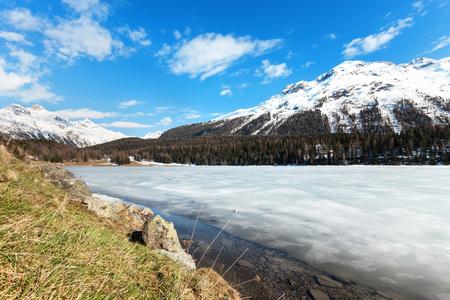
[66, 181]
[327, 281]
[146, 213]
[160, 234]
[318, 295]
[245, 263]
[185, 260]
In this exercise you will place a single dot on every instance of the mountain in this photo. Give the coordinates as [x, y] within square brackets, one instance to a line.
[152, 135]
[354, 96]
[36, 122]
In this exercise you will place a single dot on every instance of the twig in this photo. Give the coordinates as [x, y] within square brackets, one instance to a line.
[217, 257]
[209, 246]
[195, 225]
[234, 262]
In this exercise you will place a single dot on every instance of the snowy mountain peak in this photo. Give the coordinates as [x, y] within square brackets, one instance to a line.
[153, 135]
[354, 95]
[36, 122]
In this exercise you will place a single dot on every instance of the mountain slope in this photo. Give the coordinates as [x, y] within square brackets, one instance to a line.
[355, 95]
[36, 122]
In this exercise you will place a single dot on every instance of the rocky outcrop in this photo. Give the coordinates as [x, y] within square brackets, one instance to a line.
[79, 192]
[157, 233]
[160, 235]
[66, 181]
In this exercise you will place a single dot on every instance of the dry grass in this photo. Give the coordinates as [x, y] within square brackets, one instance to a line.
[51, 248]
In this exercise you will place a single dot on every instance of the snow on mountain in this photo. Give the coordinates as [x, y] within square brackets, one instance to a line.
[152, 135]
[36, 122]
[355, 95]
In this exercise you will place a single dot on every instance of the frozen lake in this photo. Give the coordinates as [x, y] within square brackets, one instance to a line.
[386, 227]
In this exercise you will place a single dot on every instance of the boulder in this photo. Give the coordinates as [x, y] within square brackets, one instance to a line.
[146, 213]
[184, 259]
[66, 181]
[160, 234]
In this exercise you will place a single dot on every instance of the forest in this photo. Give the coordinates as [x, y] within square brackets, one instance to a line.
[415, 145]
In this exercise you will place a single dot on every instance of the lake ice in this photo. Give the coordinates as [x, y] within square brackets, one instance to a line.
[386, 227]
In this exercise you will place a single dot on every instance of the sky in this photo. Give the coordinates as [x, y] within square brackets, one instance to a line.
[140, 66]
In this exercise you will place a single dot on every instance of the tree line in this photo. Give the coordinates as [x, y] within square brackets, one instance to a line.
[415, 145]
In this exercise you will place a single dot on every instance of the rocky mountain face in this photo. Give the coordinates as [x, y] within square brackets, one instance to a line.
[354, 96]
[36, 122]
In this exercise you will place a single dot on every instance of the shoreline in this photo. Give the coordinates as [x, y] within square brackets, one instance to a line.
[282, 276]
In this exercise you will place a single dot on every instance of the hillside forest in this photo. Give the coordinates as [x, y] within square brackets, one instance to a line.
[416, 145]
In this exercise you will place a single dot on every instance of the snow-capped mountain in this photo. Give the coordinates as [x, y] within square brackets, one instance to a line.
[355, 95]
[152, 135]
[36, 122]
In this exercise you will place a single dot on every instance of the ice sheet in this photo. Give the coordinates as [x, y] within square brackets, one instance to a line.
[387, 227]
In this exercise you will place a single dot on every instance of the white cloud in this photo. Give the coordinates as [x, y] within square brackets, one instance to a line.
[136, 35]
[123, 124]
[26, 60]
[14, 37]
[164, 51]
[23, 85]
[177, 34]
[187, 31]
[226, 92]
[271, 72]
[86, 113]
[192, 116]
[88, 6]
[209, 54]
[165, 122]
[308, 64]
[37, 93]
[331, 36]
[126, 104]
[21, 18]
[243, 86]
[419, 5]
[377, 41]
[10, 81]
[82, 37]
[164, 108]
[440, 43]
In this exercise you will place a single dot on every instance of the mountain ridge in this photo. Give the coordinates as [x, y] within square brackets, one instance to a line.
[36, 122]
[353, 96]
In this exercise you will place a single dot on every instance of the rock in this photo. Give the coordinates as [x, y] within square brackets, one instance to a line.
[146, 213]
[66, 181]
[327, 281]
[118, 207]
[245, 263]
[160, 234]
[318, 295]
[185, 260]
[102, 208]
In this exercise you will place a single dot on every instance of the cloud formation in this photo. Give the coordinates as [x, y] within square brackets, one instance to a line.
[21, 18]
[86, 113]
[377, 41]
[126, 104]
[440, 43]
[165, 122]
[271, 72]
[226, 92]
[83, 37]
[123, 124]
[209, 54]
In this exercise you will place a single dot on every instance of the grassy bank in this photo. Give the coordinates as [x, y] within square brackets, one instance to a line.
[51, 248]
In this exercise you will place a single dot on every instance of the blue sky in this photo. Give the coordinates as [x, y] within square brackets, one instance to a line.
[140, 66]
